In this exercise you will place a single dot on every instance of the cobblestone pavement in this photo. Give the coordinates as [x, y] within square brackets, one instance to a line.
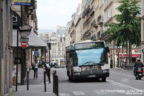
[36, 87]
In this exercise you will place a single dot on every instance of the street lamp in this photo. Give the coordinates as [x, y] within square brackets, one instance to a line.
[24, 32]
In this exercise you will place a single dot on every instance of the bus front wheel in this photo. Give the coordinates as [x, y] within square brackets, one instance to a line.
[70, 76]
[104, 79]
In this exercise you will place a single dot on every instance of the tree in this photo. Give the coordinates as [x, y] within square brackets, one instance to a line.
[127, 29]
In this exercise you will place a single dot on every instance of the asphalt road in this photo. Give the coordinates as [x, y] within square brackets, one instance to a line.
[120, 83]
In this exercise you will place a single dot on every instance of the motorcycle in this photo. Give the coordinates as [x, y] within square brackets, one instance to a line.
[139, 73]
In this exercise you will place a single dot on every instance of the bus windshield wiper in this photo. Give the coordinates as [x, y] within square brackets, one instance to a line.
[89, 63]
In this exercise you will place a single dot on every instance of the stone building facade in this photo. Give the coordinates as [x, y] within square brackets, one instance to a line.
[88, 23]
[57, 41]
[142, 26]
[27, 15]
[5, 49]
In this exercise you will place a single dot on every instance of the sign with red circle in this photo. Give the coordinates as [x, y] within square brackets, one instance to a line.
[24, 44]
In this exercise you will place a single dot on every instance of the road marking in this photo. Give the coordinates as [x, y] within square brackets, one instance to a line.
[122, 85]
[79, 93]
[124, 80]
[64, 94]
[127, 75]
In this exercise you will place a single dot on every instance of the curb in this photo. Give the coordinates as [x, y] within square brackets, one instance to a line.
[11, 91]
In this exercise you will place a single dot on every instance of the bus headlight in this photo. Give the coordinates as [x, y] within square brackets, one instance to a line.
[76, 69]
[106, 71]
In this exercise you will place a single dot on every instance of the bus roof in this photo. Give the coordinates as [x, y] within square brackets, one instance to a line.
[86, 41]
[89, 41]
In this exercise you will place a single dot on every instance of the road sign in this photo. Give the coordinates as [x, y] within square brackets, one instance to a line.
[22, 2]
[24, 44]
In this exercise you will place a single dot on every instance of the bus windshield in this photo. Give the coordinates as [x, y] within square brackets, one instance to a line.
[90, 57]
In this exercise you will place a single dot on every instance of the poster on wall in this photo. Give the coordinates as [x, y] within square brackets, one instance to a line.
[22, 2]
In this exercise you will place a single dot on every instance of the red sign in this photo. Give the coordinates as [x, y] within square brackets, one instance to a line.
[127, 55]
[24, 44]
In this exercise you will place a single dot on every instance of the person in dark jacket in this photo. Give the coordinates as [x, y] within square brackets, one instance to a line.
[46, 66]
[137, 64]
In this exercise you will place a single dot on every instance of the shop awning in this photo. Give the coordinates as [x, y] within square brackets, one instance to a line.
[34, 40]
[127, 55]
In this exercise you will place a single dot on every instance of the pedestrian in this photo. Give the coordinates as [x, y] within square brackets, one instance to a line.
[111, 63]
[46, 67]
[137, 64]
[35, 69]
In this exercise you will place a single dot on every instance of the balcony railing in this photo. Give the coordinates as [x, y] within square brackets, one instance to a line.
[93, 37]
[78, 21]
[87, 21]
[87, 33]
[87, 11]
[103, 35]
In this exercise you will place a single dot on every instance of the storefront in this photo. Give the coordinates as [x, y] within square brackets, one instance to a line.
[123, 57]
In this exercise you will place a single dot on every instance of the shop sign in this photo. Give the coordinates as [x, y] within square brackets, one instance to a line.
[22, 2]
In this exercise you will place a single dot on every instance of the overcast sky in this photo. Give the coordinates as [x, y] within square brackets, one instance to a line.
[55, 12]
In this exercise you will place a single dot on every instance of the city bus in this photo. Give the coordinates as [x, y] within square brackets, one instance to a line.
[88, 59]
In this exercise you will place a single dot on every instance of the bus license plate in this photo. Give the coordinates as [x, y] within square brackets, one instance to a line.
[140, 74]
[91, 76]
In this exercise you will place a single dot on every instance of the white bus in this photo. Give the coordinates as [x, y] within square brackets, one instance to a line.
[87, 60]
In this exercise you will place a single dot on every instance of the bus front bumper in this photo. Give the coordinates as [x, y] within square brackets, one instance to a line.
[91, 74]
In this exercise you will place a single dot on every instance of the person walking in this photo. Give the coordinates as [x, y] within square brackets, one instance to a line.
[36, 69]
[46, 67]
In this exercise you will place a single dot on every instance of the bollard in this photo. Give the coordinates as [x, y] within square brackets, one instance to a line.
[44, 81]
[55, 84]
[27, 80]
[54, 73]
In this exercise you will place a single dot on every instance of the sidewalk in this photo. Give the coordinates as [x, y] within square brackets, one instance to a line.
[36, 87]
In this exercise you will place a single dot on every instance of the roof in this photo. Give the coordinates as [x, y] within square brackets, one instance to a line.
[34, 40]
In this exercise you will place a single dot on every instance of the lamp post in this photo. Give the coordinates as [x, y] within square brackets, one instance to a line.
[24, 32]
[49, 47]
[17, 59]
